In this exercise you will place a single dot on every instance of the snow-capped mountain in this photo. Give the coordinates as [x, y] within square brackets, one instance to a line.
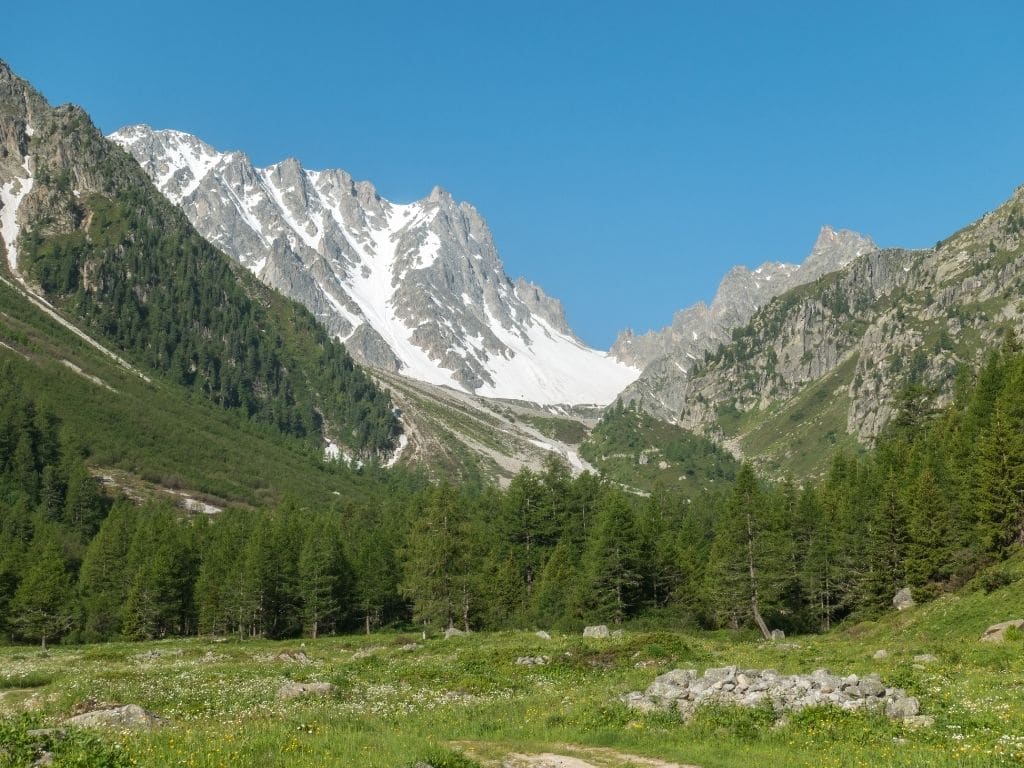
[416, 288]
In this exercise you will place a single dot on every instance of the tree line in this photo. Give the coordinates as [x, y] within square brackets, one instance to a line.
[937, 501]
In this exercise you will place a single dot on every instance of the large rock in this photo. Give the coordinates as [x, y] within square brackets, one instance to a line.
[599, 631]
[293, 690]
[903, 599]
[128, 717]
[453, 632]
[997, 632]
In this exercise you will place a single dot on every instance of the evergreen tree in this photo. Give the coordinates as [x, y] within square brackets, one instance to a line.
[750, 561]
[43, 607]
[612, 566]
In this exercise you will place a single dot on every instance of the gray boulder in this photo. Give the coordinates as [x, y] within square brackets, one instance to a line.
[599, 631]
[543, 635]
[902, 707]
[128, 717]
[453, 632]
[903, 599]
[997, 632]
[533, 661]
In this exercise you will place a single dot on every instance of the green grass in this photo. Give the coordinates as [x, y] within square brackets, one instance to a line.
[160, 432]
[800, 436]
[467, 695]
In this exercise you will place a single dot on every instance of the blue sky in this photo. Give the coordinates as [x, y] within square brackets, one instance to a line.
[624, 154]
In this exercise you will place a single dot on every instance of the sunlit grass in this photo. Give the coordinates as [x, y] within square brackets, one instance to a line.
[393, 706]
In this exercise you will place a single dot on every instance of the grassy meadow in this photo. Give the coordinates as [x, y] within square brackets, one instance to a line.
[460, 702]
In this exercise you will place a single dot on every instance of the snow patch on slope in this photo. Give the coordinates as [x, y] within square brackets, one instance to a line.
[374, 251]
[11, 195]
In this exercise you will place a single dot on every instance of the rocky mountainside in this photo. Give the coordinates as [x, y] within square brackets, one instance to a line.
[89, 242]
[697, 329]
[831, 361]
[417, 289]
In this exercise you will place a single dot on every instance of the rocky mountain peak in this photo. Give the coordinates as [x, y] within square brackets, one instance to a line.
[834, 249]
[416, 288]
[696, 329]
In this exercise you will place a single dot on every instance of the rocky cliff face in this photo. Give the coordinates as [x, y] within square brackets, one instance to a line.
[667, 355]
[417, 288]
[888, 319]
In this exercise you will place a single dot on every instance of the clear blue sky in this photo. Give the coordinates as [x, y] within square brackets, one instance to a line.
[624, 154]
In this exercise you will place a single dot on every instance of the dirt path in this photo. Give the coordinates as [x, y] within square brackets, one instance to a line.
[567, 756]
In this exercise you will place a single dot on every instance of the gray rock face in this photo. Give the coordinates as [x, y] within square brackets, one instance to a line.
[903, 599]
[598, 631]
[701, 328]
[417, 288]
[682, 690]
[868, 328]
[128, 717]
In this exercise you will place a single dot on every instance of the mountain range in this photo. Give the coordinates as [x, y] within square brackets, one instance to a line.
[413, 288]
[484, 376]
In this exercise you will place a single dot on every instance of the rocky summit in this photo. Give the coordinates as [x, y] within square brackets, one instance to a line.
[417, 288]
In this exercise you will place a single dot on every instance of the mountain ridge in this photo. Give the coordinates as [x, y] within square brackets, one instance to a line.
[413, 288]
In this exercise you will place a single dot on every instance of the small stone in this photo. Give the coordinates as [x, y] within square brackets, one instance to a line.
[599, 631]
[409, 647]
[880, 654]
[453, 632]
[778, 635]
[543, 635]
[919, 721]
[903, 599]
[292, 690]
[533, 661]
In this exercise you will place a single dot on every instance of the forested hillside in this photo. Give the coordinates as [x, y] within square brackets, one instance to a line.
[104, 245]
[939, 501]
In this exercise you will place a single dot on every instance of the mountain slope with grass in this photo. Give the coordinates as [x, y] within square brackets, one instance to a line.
[88, 237]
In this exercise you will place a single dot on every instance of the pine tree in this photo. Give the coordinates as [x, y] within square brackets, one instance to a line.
[612, 566]
[323, 578]
[432, 560]
[103, 582]
[43, 606]
[750, 563]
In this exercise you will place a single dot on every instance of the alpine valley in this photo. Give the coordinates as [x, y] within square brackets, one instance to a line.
[241, 406]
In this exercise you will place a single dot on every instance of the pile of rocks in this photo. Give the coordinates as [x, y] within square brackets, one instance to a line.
[683, 690]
